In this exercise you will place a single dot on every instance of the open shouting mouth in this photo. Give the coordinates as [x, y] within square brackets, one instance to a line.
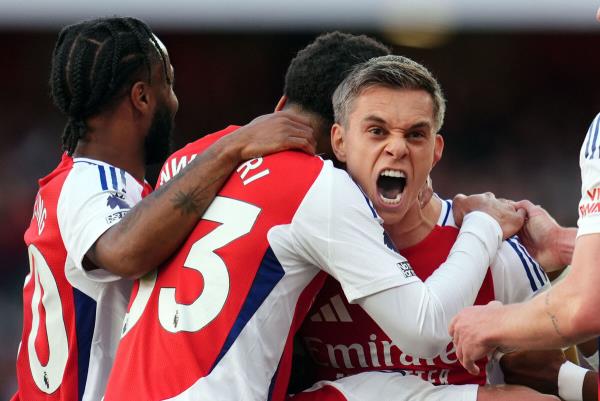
[390, 185]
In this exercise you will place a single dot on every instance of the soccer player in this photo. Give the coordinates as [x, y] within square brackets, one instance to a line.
[386, 135]
[217, 321]
[113, 79]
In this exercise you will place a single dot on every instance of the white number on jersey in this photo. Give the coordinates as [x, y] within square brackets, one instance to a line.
[236, 218]
[47, 377]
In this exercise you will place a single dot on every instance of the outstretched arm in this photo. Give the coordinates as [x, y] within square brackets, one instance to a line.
[564, 315]
[157, 225]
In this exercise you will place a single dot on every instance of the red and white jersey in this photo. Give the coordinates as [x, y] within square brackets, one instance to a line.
[72, 318]
[343, 340]
[217, 321]
[589, 162]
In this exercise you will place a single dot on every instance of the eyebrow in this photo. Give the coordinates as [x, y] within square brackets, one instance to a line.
[379, 120]
[375, 119]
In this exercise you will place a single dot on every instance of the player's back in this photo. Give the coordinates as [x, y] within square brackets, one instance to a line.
[214, 322]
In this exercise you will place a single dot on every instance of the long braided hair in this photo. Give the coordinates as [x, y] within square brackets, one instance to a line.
[94, 63]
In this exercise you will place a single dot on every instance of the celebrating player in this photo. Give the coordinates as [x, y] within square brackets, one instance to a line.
[217, 321]
[113, 79]
[386, 134]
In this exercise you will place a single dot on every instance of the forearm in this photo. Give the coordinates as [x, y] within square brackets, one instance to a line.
[423, 310]
[545, 322]
[564, 315]
[155, 227]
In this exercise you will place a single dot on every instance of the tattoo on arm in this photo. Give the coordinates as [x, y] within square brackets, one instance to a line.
[553, 317]
[188, 203]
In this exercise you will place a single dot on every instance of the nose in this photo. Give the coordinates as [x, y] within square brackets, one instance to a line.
[396, 147]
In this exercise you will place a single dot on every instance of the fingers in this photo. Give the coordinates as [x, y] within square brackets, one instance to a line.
[298, 143]
[524, 204]
[465, 359]
[295, 117]
[470, 365]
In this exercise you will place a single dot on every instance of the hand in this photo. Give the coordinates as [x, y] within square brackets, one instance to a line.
[275, 132]
[426, 192]
[540, 236]
[510, 219]
[468, 329]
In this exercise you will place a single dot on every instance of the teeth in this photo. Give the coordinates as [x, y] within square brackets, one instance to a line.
[394, 201]
[393, 173]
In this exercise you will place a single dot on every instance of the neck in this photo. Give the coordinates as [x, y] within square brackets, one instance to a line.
[416, 225]
[113, 144]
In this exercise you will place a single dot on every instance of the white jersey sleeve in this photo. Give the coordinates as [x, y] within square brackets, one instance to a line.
[94, 197]
[517, 276]
[337, 229]
[589, 162]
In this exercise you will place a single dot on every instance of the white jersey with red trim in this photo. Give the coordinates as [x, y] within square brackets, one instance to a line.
[217, 321]
[343, 340]
[589, 162]
[72, 318]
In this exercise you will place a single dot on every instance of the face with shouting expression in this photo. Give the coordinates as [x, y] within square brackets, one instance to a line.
[389, 145]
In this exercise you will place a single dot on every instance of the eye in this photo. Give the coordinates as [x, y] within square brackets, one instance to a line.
[416, 134]
[375, 131]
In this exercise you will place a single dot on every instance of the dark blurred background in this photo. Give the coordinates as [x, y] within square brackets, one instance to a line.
[521, 93]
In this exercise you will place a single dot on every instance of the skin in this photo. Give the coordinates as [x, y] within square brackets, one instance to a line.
[394, 129]
[155, 227]
[389, 129]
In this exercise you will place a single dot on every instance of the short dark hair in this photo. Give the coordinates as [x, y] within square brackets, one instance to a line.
[319, 68]
[395, 72]
[93, 63]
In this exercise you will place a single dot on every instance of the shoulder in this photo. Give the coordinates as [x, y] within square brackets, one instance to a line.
[515, 269]
[88, 174]
[590, 150]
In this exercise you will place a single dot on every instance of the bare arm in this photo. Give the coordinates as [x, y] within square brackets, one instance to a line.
[549, 243]
[564, 315]
[156, 226]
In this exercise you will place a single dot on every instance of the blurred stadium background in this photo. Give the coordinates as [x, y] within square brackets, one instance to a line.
[520, 78]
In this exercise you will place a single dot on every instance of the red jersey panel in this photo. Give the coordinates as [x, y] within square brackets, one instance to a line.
[52, 359]
[66, 352]
[343, 340]
[186, 321]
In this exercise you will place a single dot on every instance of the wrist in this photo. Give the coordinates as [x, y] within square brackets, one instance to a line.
[570, 381]
[494, 337]
[484, 227]
[564, 244]
[230, 147]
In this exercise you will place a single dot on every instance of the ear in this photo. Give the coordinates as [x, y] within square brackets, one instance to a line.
[338, 143]
[281, 103]
[141, 97]
[438, 150]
